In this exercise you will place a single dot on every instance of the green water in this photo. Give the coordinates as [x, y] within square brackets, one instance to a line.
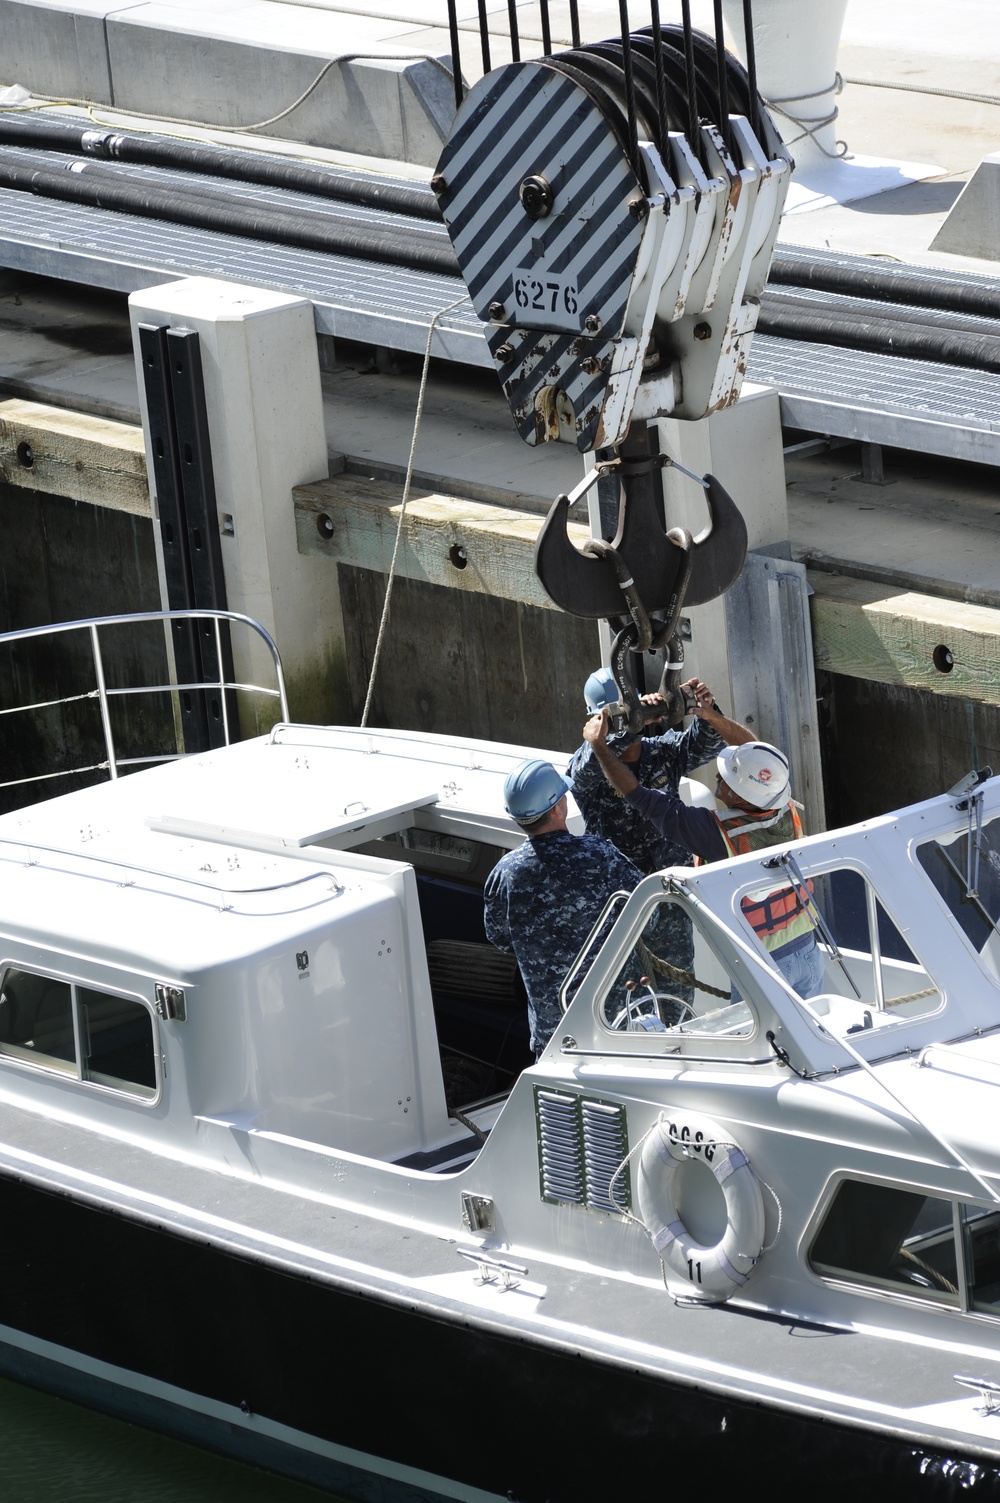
[55, 1452]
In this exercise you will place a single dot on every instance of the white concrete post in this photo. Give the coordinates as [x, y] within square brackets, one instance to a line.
[753, 645]
[741, 447]
[796, 45]
[265, 418]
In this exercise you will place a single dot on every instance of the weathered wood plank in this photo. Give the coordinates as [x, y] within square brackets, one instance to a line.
[351, 520]
[73, 454]
[894, 636]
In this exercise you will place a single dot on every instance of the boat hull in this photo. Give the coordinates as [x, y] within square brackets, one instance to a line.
[371, 1399]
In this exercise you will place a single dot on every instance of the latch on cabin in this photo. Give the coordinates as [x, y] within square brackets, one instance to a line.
[171, 1004]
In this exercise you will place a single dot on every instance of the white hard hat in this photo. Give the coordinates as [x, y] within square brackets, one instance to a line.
[758, 772]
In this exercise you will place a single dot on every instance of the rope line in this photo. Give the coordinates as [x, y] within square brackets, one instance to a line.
[348, 57]
[402, 508]
[47, 704]
[912, 88]
[69, 772]
[812, 124]
[676, 973]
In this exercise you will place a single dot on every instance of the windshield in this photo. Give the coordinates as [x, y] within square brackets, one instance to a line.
[673, 982]
[966, 872]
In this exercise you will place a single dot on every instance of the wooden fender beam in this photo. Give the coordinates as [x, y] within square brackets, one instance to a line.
[893, 636]
[464, 545]
[73, 454]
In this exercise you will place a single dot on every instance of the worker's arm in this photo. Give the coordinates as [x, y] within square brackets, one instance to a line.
[705, 708]
[595, 733]
[731, 731]
[495, 916]
[695, 829]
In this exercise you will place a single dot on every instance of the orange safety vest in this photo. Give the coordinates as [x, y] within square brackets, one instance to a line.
[778, 918]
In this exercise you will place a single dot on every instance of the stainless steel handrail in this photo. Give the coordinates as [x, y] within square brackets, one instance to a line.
[603, 917]
[93, 626]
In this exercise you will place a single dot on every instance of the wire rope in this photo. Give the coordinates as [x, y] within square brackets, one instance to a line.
[402, 509]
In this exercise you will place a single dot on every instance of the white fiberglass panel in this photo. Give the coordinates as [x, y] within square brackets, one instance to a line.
[330, 1028]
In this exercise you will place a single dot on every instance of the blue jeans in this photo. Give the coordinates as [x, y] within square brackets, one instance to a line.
[803, 970]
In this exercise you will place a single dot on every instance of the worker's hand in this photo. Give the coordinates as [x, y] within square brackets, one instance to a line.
[595, 731]
[654, 708]
[702, 695]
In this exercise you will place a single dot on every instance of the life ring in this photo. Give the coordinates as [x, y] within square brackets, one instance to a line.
[712, 1273]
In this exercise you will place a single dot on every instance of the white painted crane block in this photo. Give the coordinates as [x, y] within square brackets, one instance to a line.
[595, 269]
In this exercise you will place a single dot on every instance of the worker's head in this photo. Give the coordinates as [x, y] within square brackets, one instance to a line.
[600, 690]
[532, 791]
[755, 773]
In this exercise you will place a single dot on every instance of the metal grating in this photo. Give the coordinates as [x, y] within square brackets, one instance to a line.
[906, 404]
[582, 1142]
[912, 404]
[357, 300]
[917, 388]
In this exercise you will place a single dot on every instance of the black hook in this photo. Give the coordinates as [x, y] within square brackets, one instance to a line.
[584, 585]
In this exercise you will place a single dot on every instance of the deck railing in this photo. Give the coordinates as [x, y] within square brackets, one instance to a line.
[102, 694]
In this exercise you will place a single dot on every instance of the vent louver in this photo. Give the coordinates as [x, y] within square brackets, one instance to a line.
[581, 1142]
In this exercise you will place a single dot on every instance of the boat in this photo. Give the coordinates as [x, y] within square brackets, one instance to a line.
[246, 1200]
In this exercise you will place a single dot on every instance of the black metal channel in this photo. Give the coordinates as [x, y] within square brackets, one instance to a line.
[173, 533]
[188, 521]
[201, 521]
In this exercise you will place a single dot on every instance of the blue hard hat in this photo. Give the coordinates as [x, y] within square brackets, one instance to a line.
[600, 690]
[532, 789]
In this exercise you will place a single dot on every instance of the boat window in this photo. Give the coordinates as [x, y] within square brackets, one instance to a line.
[36, 1019]
[892, 1239]
[116, 1041]
[981, 1235]
[870, 976]
[92, 1035]
[969, 887]
[673, 981]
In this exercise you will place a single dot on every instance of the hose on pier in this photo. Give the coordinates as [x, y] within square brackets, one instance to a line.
[887, 286]
[367, 191]
[883, 309]
[882, 330]
[415, 249]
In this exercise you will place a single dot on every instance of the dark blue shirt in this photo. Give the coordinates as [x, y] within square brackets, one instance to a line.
[541, 902]
[663, 761]
[696, 831]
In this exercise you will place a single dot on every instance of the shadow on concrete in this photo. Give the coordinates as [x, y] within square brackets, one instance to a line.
[914, 198]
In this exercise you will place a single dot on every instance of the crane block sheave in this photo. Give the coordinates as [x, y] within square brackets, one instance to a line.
[614, 233]
[614, 210]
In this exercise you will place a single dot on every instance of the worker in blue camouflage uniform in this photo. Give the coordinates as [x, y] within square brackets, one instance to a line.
[543, 899]
[656, 762]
